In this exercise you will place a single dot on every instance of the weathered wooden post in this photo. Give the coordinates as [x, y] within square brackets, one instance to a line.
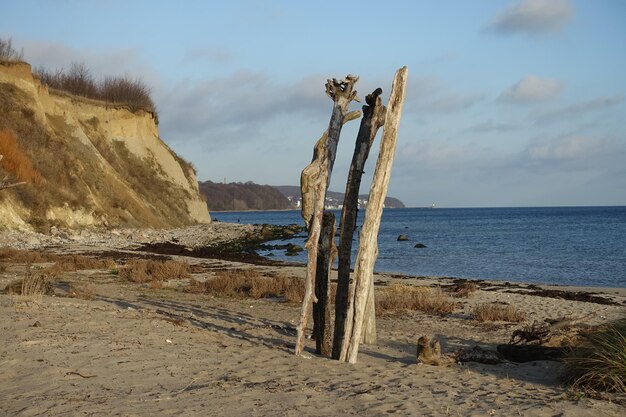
[368, 246]
[321, 309]
[373, 119]
[314, 182]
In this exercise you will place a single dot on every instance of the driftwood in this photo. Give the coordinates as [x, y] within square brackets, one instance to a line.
[373, 119]
[529, 353]
[322, 328]
[540, 333]
[537, 332]
[429, 352]
[368, 246]
[525, 343]
[4, 183]
[314, 182]
[310, 177]
[480, 355]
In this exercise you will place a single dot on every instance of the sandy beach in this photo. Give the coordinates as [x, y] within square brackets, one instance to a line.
[102, 346]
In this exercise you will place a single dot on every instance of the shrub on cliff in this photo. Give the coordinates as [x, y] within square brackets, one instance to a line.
[15, 161]
[8, 52]
[126, 90]
[79, 80]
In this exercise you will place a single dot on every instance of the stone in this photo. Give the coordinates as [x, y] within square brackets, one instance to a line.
[293, 250]
[402, 238]
[419, 245]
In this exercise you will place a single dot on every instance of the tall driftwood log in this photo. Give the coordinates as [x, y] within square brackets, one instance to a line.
[314, 182]
[4, 183]
[323, 325]
[368, 242]
[373, 119]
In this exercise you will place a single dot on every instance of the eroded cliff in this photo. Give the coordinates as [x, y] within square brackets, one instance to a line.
[87, 163]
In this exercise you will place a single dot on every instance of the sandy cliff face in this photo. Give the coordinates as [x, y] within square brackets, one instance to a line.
[100, 164]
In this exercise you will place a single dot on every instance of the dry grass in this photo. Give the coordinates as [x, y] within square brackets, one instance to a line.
[497, 312]
[30, 289]
[15, 160]
[464, 289]
[399, 298]
[600, 363]
[34, 285]
[26, 256]
[62, 263]
[67, 263]
[249, 283]
[151, 271]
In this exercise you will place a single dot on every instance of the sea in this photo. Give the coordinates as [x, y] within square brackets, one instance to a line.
[578, 246]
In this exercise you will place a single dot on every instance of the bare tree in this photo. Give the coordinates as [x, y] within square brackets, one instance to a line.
[8, 52]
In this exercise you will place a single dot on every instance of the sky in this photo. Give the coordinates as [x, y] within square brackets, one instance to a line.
[509, 102]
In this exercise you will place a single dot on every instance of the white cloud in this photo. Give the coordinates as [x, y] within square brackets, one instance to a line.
[212, 109]
[429, 94]
[577, 110]
[435, 155]
[532, 89]
[569, 147]
[126, 61]
[211, 55]
[452, 102]
[533, 17]
[490, 126]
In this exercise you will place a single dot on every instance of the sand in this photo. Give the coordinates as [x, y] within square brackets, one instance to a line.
[126, 349]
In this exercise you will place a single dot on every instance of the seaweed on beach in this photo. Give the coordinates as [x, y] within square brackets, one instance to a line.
[243, 249]
[536, 290]
[588, 297]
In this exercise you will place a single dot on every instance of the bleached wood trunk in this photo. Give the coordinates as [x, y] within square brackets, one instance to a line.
[323, 326]
[368, 242]
[314, 182]
[368, 334]
[373, 119]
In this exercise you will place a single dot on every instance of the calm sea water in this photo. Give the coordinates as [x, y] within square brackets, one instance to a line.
[551, 245]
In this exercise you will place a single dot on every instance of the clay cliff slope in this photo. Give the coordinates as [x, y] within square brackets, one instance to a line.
[86, 163]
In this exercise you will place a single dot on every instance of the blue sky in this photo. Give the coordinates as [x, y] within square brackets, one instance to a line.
[509, 103]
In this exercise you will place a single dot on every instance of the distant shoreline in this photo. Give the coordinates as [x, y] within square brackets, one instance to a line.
[434, 208]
